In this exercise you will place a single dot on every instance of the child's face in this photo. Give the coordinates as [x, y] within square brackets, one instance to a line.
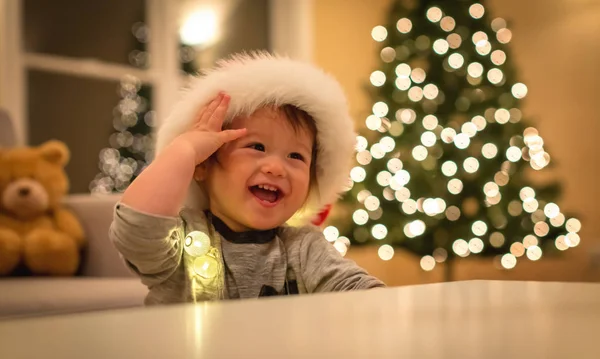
[272, 155]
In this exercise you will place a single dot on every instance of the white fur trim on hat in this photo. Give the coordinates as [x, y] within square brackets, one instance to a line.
[258, 79]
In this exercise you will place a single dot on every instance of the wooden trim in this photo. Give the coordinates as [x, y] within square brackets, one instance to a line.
[12, 71]
[84, 67]
[292, 28]
[163, 48]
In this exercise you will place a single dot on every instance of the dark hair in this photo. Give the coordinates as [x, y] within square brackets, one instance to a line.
[300, 119]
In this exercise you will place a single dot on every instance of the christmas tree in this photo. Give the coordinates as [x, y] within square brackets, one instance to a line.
[131, 143]
[443, 166]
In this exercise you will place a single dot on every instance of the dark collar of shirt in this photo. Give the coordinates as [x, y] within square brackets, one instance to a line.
[254, 236]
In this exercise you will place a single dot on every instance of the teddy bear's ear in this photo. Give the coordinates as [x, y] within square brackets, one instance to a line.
[55, 152]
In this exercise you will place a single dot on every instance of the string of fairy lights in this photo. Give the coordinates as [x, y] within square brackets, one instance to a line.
[131, 149]
[528, 146]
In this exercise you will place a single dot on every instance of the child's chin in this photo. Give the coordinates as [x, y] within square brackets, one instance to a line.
[264, 224]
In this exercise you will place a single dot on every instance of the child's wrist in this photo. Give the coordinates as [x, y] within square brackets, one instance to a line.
[181, 149]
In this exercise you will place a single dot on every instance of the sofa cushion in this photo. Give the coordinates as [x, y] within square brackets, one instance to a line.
[95, 213]
[46, 296]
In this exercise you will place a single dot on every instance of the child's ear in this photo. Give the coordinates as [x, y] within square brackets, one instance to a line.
[200, 172]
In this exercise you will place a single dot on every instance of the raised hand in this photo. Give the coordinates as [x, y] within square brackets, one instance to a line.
[206, 136]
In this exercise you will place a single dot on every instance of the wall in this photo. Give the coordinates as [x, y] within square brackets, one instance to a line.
[556, 47]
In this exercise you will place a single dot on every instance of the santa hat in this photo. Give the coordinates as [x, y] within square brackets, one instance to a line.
[258, 79]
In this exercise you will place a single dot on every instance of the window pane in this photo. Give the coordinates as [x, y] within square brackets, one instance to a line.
[77, 111]
[85, 29]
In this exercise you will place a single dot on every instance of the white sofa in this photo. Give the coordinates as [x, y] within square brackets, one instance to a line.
[105, 283]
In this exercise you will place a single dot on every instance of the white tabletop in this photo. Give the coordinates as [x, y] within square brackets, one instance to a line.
[475, 319]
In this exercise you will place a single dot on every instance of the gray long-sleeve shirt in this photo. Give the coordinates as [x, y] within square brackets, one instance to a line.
[153, 247]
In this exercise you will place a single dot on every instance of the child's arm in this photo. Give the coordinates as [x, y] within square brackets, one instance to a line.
[146, 228]
[325, 270]
[161, 188]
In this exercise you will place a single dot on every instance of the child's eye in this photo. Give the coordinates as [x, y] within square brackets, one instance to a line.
[297, 156]
[257, 146]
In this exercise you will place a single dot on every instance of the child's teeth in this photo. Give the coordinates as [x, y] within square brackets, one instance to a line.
[267, 187]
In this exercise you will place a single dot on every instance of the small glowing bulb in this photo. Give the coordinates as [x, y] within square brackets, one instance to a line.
[197, 243]
[331, 233]
[572, 239]
[377, 151]
[383, 178]
[449, 168]
[373, 122]
[341, 247]
[387, 143]
[404, 25]
[430, 122]
[508, 261]
[205, 266]
[504, 36]
[379, 33]
[415, 94]
[573, 225]
[428, 138]
[379, 231]
[380, 109]
[377, 78]
[479, 228]
[460, 247]
[498, 57]
[419, 153]
[358, 174]
[475, 69]
[441, 46]
[495, 76]
[471, 165]
[469, 129]
[561, 243]
[434, 14]
[476, 245]
[417, 227]
[456, 60]
[476, 11]
[372, 203]
[502, 115]
[448, 134]
[513, 153]
[479, 122]
[479, 37]
[394, 165]
[417, 75]
[462, 141]
[402, 194]
[427, 263]
[360, 217]
[403, 70]
[409, 206]
[455, 186]
[361, 143]
[386, 252]
[402, 177]
[430, 91]
[534, 253]
[519, 90]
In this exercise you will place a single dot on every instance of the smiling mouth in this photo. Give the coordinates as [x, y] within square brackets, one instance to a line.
[266, 194]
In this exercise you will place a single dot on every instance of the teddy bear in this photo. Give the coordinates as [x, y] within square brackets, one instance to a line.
[36, 230]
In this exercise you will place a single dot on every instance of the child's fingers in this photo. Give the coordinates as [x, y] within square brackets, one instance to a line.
[210, 109]
[231, 135]
[215, 121]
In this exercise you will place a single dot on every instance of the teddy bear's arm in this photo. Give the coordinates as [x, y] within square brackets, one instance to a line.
[68, 223]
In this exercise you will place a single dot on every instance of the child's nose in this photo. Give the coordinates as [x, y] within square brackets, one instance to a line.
[273, 166]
